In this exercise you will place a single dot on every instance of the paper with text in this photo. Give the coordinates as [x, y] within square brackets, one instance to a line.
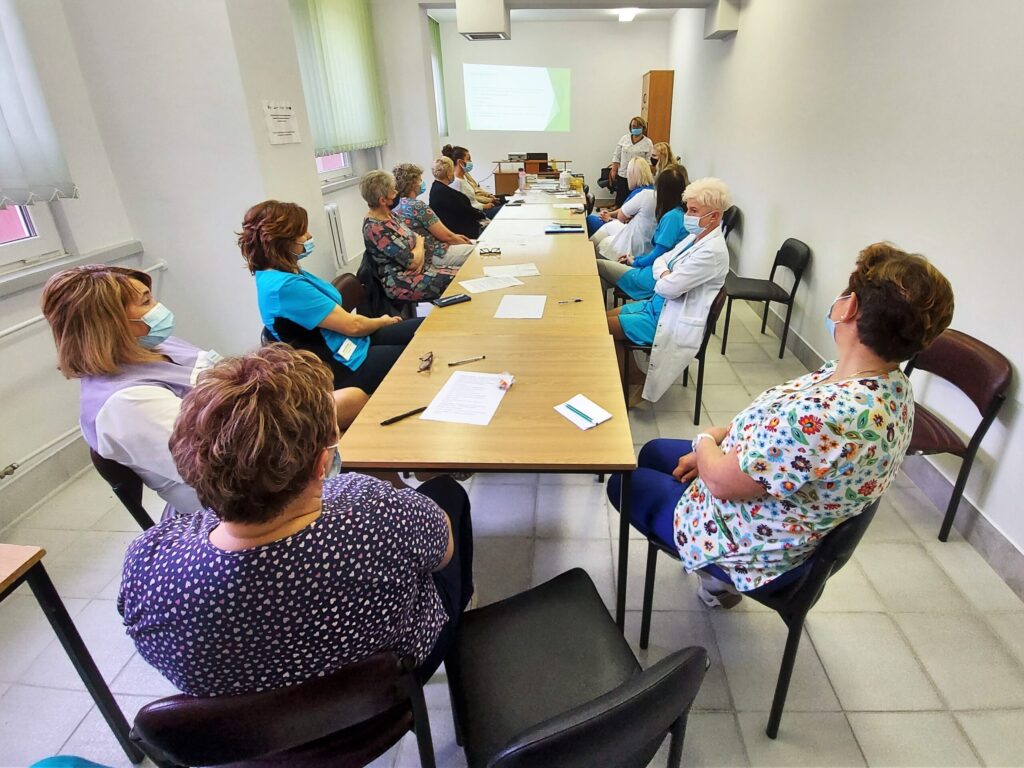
[597, 414]
[481, 284]
[467, 398]
[512, 270]
[521, 308]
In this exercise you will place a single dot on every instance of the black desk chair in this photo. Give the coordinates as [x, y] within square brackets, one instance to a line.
[545, 678]
[792, 603]
[731, 219]
[126, 485]
[709, 328]
[980, 372]
[348, 718]
[794, 255]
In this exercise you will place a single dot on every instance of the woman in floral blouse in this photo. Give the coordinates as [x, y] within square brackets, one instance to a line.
[746, 505]
[443, 247]
[398, 253]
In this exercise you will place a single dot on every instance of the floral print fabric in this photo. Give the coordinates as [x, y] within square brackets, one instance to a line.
[390, 243]
[821, 451]
[419, 217]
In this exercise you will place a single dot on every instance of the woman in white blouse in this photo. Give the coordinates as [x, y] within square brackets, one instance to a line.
[632, 144]
[628, 231]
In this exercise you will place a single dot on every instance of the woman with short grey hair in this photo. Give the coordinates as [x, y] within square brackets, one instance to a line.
[457, 214]
[398, 253]
[444, 248]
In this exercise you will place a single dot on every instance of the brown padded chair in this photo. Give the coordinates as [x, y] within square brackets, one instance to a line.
[981, 373]
[342, 720]
[353, 293]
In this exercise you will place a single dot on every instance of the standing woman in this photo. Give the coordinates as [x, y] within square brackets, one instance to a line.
[632, 144]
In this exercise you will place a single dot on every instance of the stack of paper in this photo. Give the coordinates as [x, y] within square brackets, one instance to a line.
[521, 307]
[481, 284]
[467, 398]
[583, 412]
[512, 270]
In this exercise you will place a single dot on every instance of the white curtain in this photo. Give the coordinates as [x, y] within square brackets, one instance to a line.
[337, 59]
[32, 167]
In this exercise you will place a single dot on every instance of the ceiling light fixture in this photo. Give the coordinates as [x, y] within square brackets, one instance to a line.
[628, 14]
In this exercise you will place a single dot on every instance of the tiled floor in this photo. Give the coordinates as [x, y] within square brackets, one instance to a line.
[914, 656]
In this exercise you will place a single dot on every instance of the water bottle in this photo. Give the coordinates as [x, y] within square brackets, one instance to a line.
[522, 180]
[564, 179]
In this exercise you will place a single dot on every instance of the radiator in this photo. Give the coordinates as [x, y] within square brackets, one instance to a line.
[334, 225]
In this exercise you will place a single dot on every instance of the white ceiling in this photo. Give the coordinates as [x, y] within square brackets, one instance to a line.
[565, 14]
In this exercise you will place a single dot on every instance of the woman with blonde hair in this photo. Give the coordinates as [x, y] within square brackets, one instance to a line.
[443, 247]
[451, 206]
[661, 158]
[115, 337]
[628, 231]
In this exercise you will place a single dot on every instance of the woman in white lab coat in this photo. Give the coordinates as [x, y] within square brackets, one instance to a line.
[628, 231]
[687, 280]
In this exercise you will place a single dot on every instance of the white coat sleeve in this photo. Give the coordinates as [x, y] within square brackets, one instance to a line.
[134, 426]
[660, 264]
[695, 268]
[617, 154]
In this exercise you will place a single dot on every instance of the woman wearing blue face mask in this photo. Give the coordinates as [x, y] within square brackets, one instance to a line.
[462, 163]
[115, 337]
[444, 248]
[632, 144]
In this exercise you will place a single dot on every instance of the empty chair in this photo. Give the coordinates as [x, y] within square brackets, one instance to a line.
[981, 373]
[792, 602]
[794, 255]
[709, 328]
[346, 718]
[545, 678]
[126, 485]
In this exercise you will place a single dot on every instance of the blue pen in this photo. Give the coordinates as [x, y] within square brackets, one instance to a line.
[579, 413]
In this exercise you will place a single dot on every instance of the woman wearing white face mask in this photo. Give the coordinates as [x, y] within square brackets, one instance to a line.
[632, 144]
[114, 336]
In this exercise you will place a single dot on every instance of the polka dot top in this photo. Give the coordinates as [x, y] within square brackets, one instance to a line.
[355, 581]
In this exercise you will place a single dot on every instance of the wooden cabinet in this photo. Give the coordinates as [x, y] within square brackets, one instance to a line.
[656, 104]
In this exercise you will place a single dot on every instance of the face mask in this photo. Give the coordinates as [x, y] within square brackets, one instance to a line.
[423, 187]
[307, 248]
[637, 131]
[469, 166]
[335, 469]
[160, 321]
[830, 324]
[654, 162]
[692, 224]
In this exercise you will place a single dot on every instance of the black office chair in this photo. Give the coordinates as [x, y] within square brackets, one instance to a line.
[792, 603]
[347, 718]
[980, 372]
[545, 678]
[377, 302]
[731, 220]
[126, 485]
[794, 255]
[709, 328]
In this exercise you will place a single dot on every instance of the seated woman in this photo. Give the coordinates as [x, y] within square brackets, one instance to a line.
[610, 223]
[462, 164]
[370, 568]
[746, 505]
[661, 158]
[443, 247]
[114, 335]
[450, 205]
[635, 276]
[687, 279]
[397, 251]
[300, 309]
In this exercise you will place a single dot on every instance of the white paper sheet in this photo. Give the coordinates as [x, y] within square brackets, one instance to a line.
[466, 398]
[481, 284]
[513, 270]
[597, 414]
[521, 307]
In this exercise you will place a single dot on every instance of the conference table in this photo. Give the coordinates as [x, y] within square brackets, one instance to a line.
[566, 352]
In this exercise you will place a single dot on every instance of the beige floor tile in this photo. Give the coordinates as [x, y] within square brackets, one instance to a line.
[677, 424]
[502, 567]
[970, 666]
[918, 512]
[888, 526]
[643, 424]
[503, 509]
[35, 722]
[717, 372]
[726, 397]
[908, 580]
[869, 663]
[93, 736]
[805, 738]
[849, 591]
[555, 556]
[998, 736]
[25, 633]
[677, 398]
[712, 739]
[674, 589]
[973, 576]
[1010, 628]
[922, 739]
[746, 353]
[576, 512]
[76, 506]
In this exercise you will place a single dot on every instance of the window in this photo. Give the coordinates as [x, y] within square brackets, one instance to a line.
[437, 67]
[334, 167]
[15, 224]
[28, 235]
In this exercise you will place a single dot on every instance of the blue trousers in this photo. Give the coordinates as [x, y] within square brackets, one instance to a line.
[654, 494]
[594, 223]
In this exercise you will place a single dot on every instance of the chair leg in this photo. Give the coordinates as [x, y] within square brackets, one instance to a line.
[645, 616]
[725, 328]
[599, 477]
[675, 746]
[620, 590]
[785, 674]
[451, 664]
[41, 586]
[785, 328]
[421, 726]
[700, 390]
[954, 500]
[764, 317]
[686, 376]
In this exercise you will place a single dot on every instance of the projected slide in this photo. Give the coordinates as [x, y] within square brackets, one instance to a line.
[501, 98]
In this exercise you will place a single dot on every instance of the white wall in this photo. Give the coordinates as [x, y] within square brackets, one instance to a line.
[853, 121]
[608, 61]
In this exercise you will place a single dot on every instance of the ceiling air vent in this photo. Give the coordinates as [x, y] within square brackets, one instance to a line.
[483, 19]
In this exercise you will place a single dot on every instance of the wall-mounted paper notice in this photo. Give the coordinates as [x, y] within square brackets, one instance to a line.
[282, 125]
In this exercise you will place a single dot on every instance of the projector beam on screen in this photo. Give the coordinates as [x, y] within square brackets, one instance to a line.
[504, 98]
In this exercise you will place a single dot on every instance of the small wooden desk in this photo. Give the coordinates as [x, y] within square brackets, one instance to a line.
[553, 255]
[525, 435]
[476, 317]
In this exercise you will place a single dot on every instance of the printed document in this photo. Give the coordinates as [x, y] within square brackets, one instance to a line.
[481, 284]
[513, 270]
[467, 398]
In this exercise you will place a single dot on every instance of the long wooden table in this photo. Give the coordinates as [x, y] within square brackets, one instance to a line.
[566, 352]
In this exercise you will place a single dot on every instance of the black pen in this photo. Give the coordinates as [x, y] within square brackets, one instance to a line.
[405, 415]
[570, 301]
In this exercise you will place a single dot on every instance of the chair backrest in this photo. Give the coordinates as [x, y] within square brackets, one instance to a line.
[377, 301]
[709, 328]
[193, 730]
[794, 255]
[730, 220]
[831, 555]
[353, 293]
[126, 485]
[982, 373]
[623, 727]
